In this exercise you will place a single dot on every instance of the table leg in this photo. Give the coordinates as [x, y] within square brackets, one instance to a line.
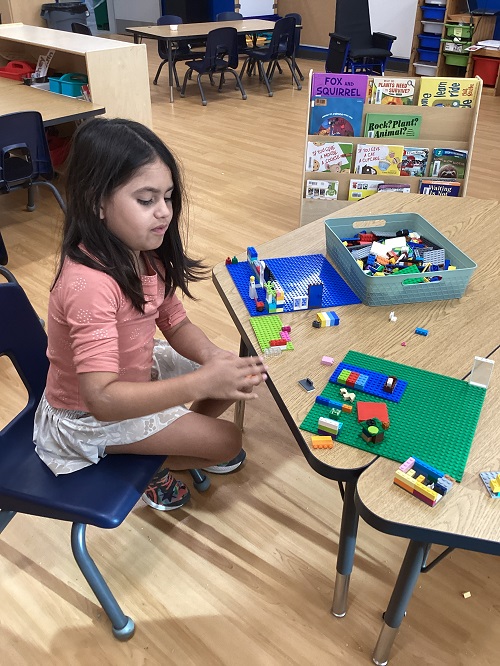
[170, 71]
[239, 408]
[347, 547]
[400, 598]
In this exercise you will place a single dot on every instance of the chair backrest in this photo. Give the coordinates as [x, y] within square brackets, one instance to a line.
[24, 341]
[298, 21]
[229, 16]
[336, 58]
[181, 47]
[352, 19]
[222, 44]
[24, 151]
[169, 19]
[283, 39]
[81, 29]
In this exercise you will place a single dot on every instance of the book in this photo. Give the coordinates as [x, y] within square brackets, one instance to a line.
[360, 189]
[447, 91]
[334, 157]
[381, 125]
[334, 116]
[322, 189]
[436, 187]
[394, 187]
[378, 159]
[386, 90]
[447, 163]
[353, 86]
[414, 162]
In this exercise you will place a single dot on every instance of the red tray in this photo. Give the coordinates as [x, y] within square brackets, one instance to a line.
[17, 69]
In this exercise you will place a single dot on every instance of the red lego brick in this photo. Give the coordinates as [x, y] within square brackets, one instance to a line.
[372, 410]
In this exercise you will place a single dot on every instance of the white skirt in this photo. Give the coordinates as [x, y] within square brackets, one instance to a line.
[69, 440]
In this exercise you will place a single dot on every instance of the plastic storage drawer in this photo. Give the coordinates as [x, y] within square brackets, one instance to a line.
[433, 12]
[457, 59]
[429, 41]
[449, 46]
[17, 70]
[428, 55]
[395, 289]
[425, 70]
[69, 84]
[459, 30]
[432, 28]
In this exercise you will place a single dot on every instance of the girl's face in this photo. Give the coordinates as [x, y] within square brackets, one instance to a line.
[139, 212]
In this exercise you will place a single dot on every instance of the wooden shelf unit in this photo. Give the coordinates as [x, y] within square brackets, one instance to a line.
[484, 27]
[117, 71]
[442, 127]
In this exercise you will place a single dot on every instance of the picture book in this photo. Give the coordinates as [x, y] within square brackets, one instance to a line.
[447, 91]
[352, 86]
[381, 125]
[442, 188]
[386, 90]
[394, 187]
[378, 159]
[336, 116]
[414, 162]
[447, 163]
[322, 189]
[334, 157]
[360, 189]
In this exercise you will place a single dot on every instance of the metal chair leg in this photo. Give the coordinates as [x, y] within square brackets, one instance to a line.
[184, 83]
[155, 80]
[31, 199]
[297, 69]
[200, 480]
[263, 75]
[55, 192]
[5, 518]
[294, 75]
[123, 626]
[203, 99]
[243, 69]
[239, 84]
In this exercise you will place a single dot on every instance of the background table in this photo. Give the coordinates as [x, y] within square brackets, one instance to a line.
[455, 335]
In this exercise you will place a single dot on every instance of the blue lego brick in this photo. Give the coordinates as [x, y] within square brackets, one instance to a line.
[315, 292]
[421, 331]
[328, 402]
[294, 275]
[428, 471]
[374, 384]
[486, 477]
[361, 382]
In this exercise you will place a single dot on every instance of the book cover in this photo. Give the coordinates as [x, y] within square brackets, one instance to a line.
[447, 163]
[360, 189]
[381, 125]
[414, 162]
[335, 116]
[333, 157]
[352, 86]
[443, 188]
[447, 91]
[394, 187]
[322, 189]
[394, 91]
[375, 160]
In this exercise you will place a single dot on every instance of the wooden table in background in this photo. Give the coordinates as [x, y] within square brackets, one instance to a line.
[459, 330]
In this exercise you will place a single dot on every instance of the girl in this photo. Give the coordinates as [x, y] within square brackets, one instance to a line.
[122, 259]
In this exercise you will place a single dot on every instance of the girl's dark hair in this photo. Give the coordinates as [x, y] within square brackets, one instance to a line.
[106, 153]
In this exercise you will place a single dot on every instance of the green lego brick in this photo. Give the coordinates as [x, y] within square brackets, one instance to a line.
[435, 420]
[266, 329]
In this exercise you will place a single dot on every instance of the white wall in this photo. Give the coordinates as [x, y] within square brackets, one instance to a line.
[395, 17]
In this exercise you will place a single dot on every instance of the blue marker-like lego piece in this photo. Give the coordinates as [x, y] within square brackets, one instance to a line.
[421, 331]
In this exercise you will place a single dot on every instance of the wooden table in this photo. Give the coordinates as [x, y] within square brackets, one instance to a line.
[54, 109]
[455, 335]
[194, 31]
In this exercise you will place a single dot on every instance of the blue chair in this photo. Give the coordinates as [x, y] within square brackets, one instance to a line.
[281, 47]
[24, 155]
[182, 50]
[4, 257]
[221, 57]
[102, 495]
[234, 16]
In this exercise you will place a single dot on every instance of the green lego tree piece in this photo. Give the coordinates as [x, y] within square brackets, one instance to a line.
[266, 329]
[433, 409]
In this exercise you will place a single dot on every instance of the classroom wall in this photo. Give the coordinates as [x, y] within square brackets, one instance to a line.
[23, 11]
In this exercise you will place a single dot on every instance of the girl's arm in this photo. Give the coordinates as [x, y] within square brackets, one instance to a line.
[190, 341]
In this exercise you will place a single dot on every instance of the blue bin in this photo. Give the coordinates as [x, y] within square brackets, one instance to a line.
[433, 12]
[428, 41]
[428, 55]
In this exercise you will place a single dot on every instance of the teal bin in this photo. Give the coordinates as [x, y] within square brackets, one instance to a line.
[396, 289]
[69, 84]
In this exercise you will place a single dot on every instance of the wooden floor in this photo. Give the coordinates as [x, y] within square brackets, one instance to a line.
[244, 575]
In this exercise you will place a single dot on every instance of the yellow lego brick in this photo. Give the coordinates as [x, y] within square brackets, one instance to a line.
[411, 472]
[425, 490]
[322, 318]
[420, 478]
[404, 478]
[495, 484]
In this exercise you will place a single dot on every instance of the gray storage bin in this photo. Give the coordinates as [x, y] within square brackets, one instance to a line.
[60, 15]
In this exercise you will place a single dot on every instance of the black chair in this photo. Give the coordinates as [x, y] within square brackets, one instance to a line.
[234, 16]
[81, 29]
[102, 495]
[24, 155]
[181, 51]
[4, 257]
[336, 59]
[298, 28]
[281, 47]
[221, 57]
[367, 52]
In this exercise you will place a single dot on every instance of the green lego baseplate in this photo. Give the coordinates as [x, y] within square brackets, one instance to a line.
[435, 420]
[266, 329]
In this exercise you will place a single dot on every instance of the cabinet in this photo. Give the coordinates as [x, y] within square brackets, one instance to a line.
[441, 127]
[484, 27]
[117, 71]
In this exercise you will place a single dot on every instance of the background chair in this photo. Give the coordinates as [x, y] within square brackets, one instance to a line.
[221, 57]
[235, 16]
[281, 47]
[338, 48]
[81, 29]
[367, 52]
[4, 257]
[298, 28]
[102, 495]
[182, 50]
[24, 155]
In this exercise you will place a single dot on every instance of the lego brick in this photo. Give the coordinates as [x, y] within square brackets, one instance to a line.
[321, 400]
[267, 329]
[407, 465]
[375, 383]
[315, 295]
[294, 275]
[372, 410]
[327, 360]
[486, 477]
[321, 442]
[429, 402]
[421, 331]
[423, 498]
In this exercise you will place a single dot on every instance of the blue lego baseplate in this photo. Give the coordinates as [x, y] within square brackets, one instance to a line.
[294, 274]
[374, 384]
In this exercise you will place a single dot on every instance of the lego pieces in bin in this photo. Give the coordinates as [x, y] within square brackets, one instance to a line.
[423, 481]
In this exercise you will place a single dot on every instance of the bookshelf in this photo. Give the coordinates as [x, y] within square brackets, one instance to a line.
[442, 127]
[484, 27]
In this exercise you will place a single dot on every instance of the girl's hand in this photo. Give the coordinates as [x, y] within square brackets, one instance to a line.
[229, 377]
